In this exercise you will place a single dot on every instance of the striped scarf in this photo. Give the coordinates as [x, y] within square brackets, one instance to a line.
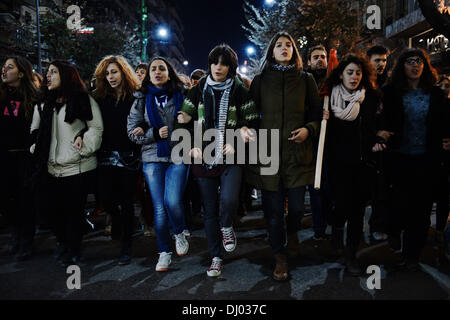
[210, 111]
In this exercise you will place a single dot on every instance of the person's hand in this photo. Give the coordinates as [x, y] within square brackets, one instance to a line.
[385, 134]
[378, 147]
[164, 132]
[446, 144]
[247, 134]
[196, 153]
[299, 135]
[183, 117]
[138, 131]
[227, 149]
[78, 143]
[326, 114]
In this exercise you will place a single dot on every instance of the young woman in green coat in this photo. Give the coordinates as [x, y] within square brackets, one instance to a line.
[288, 101]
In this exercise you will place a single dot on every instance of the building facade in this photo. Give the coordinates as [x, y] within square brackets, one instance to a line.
[18, 32]
[164, 13]
[403, 26]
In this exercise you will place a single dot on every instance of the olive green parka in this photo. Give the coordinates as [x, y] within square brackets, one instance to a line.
[286, 100]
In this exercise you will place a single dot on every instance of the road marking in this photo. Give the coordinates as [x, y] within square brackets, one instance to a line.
[442, 279]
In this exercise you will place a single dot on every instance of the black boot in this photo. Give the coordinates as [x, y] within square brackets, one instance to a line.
[125, 256]
[25, 252]
[70, 258]
[60, 250]
[337, 239]
[351, 264]
[13, 245]
[395, 242]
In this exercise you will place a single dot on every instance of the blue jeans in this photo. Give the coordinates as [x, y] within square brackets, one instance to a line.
[167, 182]
[230, 184]
[273, 203]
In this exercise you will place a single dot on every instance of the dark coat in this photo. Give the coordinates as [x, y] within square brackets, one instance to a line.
[350, 142]
[287, 100]
[437, 121]
[115, 137]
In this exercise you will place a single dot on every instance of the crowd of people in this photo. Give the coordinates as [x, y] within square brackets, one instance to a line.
[386, 145]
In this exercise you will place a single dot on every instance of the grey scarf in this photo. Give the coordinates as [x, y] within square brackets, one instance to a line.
[210, 111]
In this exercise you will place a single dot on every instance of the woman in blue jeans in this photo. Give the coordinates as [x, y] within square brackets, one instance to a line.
[151, 123]
[219, 102]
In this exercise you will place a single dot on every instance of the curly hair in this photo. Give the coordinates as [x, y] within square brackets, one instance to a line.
[368, 73]
[129, 80]
[429, 75]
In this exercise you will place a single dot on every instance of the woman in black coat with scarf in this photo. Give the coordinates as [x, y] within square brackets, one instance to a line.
[351, 140]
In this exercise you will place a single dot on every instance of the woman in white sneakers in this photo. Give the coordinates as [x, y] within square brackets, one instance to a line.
[220, 101]
[151, 122]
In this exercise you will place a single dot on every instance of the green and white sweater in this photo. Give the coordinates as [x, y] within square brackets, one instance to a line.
[241, 110]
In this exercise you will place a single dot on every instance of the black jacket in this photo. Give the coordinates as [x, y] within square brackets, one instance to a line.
[115, 137]
[14, 127]
[350, 142]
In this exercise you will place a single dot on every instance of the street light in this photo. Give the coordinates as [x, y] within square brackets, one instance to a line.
[250, 50]
[270, 2]
[185, 62]
[243, 69]
[162, 32]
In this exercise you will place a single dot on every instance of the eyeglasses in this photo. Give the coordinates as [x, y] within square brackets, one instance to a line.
[412, 61]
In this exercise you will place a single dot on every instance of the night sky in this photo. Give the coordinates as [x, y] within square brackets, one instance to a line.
[211, 22]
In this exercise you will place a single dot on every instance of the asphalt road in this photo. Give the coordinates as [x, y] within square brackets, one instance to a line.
[246, 275]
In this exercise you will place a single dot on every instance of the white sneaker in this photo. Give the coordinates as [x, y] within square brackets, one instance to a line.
[187, 233]
[164, 261]
[215, 269]
[181, 244]
[228, 239]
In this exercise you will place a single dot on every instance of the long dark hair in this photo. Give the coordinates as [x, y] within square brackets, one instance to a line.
[71, 83]
[27, 90]
[173, 85]
[269, 59]
[429, 76]
[368, 72]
